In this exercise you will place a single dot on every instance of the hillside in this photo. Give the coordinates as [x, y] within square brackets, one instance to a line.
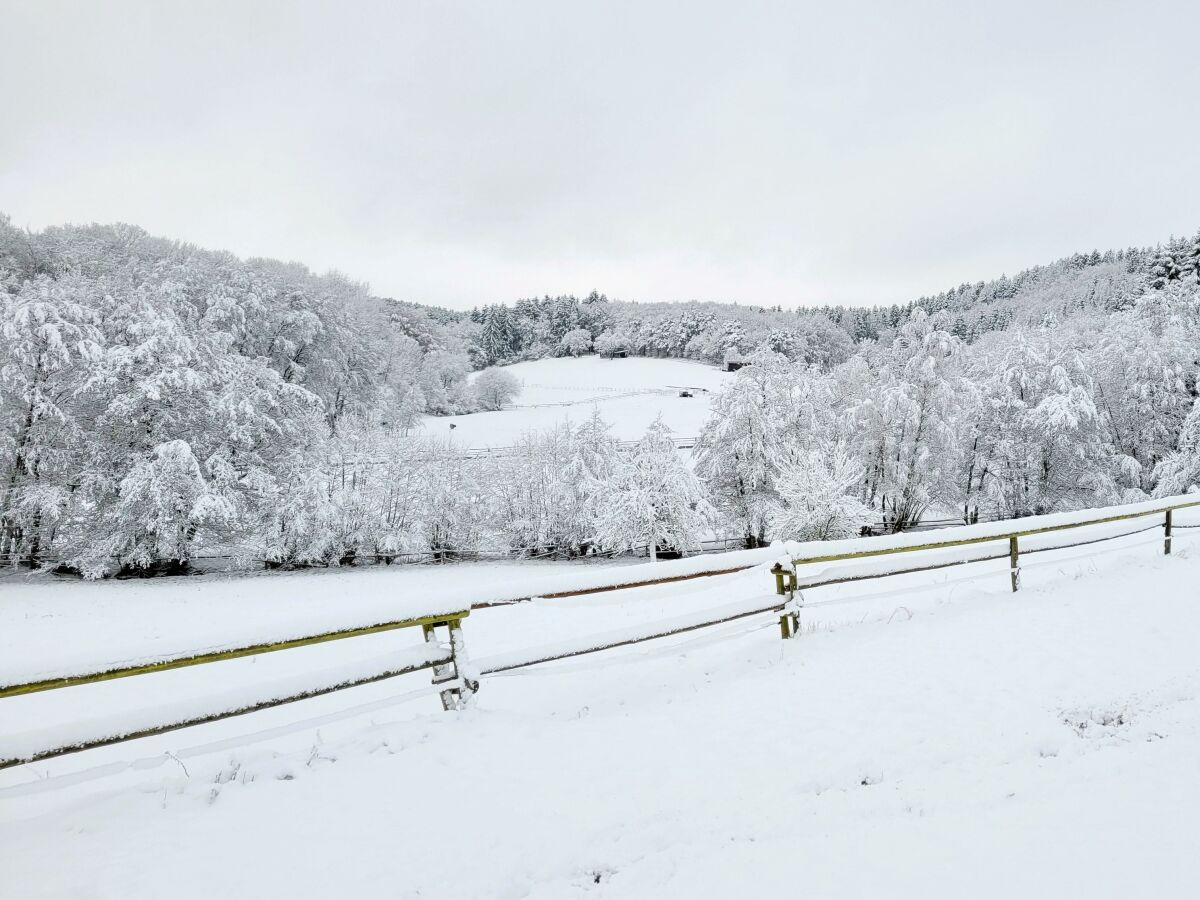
[628, 393]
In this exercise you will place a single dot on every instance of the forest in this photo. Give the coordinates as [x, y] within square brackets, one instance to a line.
[159, 401]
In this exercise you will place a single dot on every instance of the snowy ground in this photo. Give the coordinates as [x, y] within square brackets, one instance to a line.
[946, 738]
[628, 392]
[50, 626]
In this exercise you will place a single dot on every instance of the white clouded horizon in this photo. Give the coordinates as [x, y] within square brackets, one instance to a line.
[466, 153]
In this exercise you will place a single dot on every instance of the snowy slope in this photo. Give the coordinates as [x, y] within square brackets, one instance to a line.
[628, 392]
[956, 740]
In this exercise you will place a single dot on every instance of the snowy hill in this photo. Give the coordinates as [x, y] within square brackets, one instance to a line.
[932, 736]
[628, 392]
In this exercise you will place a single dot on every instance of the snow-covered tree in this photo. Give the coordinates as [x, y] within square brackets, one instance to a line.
[815, 496]
[653, 500]
[532, 496]
[576, 342]
[1144, 371]
[1067, 385]
[610, 342]
[443, 382]
[904, 417]
[741, 446]
[1042, 443]
[453, 503]
[594, 458]
[1179, 471]
[163, 501]
[48, 341]
[494, 388]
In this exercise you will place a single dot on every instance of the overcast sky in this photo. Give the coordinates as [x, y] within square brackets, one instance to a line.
[464, 153]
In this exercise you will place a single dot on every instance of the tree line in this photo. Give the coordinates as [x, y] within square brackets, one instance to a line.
[157, 399]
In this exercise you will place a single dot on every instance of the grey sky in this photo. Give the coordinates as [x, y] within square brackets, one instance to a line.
[463, 153]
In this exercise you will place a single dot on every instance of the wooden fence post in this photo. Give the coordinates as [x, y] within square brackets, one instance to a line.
[462, 668]
[446, 672]
[1014, 570]
[789, 622]
[1167, 535]
[789, 618]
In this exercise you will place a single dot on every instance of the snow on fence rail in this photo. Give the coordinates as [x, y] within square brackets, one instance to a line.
[811, 552]
[447, 660]
[457, 678]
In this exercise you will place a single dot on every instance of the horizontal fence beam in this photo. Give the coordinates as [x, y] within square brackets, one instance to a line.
[955, 563]
[485, 669]
[671, 579]
[109, 740]
[985, 539]
[179, 662]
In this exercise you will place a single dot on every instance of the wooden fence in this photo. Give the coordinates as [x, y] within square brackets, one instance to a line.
[788, 582]
[457, 678]
[446, 659]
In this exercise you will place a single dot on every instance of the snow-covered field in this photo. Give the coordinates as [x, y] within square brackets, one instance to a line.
[628, 392]
[931, 735]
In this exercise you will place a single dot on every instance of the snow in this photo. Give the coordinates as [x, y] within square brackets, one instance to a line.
[52, 629]
[591, 643]
[175, 710]
[956, 740]
[986, 530]
[629, 393]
